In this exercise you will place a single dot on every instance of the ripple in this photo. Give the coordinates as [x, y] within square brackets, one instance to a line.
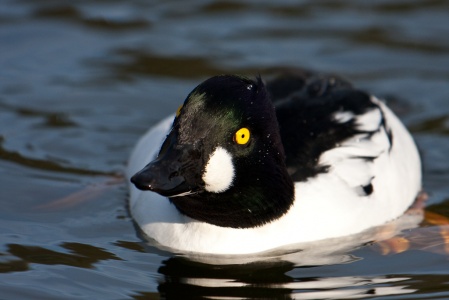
[70, 13]
[139, 62]
[46, 165]
[81, 256]
[434, 125]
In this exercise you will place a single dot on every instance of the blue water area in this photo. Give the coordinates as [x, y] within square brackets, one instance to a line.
[80, 81]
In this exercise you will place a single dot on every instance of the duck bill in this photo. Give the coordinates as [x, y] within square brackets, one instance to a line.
[157, 177]
[164, 174]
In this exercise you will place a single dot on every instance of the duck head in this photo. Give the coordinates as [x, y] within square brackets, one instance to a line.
[223, 161]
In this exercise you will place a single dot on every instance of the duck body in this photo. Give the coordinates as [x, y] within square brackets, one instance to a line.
[246, 167]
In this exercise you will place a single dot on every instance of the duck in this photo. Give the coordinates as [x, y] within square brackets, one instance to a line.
[246, 166]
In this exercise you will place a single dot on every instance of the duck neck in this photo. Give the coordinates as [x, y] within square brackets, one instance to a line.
[252, 201]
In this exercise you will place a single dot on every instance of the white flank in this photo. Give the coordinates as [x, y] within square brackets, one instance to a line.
[219, 172]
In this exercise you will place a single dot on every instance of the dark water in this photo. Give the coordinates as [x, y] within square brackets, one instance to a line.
[80, 81]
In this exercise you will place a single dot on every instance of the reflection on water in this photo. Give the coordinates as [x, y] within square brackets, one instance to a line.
[81, 81]
[184, 279]
[325, 271]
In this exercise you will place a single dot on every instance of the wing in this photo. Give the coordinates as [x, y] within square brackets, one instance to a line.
[328, 126]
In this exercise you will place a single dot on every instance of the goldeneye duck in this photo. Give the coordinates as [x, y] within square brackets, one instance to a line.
[245, 167]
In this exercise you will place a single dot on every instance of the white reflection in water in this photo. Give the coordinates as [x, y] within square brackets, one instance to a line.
[284, 272]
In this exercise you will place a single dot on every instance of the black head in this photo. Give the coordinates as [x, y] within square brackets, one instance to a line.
[223, 160]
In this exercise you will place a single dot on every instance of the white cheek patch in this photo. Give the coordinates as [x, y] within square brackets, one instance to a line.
[219, 172]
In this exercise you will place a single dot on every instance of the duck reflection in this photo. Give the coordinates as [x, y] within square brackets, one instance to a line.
[187, 279]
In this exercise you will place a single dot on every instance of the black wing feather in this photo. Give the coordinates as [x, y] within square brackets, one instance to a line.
[306, 104]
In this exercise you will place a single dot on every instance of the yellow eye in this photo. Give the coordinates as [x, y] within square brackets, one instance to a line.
[178, 111]
[242, 136]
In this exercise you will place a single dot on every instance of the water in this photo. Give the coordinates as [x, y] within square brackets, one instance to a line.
[81, 81]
